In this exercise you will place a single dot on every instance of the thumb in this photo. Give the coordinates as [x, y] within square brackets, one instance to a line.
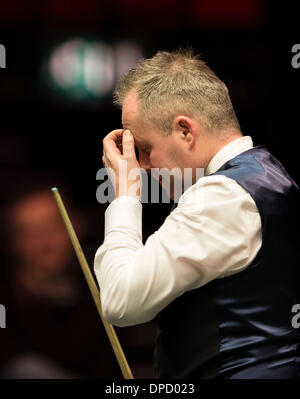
[128, 145]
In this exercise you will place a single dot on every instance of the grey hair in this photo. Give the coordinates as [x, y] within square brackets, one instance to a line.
[174, 83]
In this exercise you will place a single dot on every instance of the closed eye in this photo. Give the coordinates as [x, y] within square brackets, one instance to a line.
[145, 151]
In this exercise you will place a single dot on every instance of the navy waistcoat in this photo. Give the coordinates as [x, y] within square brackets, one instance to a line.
[241, 326]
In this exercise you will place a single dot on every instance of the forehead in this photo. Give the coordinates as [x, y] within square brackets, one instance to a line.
[130, 108]
[33, 209]
[143, 133]
[130, 118]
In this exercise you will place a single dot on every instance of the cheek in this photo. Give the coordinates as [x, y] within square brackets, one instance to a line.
[163, 156]
[151, 158]
[155, 159]
[159, 159]
[173, 156]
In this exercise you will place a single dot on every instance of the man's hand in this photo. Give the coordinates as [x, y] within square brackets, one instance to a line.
[120, 160]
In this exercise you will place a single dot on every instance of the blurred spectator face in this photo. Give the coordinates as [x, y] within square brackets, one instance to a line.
[39, 236]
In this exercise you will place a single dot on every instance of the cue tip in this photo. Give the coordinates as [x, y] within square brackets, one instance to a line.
[54, 189]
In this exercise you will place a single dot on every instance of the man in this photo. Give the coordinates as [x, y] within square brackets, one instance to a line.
[53, 328]
[221, 270]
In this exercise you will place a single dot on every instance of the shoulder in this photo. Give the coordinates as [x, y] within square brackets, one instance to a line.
[214, 190]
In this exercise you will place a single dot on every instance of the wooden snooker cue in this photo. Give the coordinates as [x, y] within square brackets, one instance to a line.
[112, 336]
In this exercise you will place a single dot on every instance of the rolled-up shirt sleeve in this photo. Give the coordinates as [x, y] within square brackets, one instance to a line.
[214, 232]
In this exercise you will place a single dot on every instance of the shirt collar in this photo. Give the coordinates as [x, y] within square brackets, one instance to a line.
[228, 152]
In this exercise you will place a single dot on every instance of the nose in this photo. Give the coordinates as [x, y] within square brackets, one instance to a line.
[144, 161]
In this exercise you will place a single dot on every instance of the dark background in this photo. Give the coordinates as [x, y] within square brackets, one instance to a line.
[44, 132]
[248, 44]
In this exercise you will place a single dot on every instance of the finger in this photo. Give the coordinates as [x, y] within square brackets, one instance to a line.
[128, 145]
[112, 142]
[115, 134]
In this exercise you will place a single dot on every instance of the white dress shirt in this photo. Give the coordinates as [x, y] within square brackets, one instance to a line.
[213, 234]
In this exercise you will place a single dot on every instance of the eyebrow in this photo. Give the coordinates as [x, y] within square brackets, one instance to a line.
[141, 143]
[125, 122]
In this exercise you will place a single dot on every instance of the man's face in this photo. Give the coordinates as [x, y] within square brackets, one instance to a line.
[155, 150]
[39, 235]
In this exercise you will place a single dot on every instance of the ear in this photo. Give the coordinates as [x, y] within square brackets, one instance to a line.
[185, 129]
